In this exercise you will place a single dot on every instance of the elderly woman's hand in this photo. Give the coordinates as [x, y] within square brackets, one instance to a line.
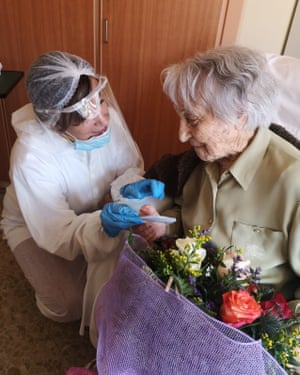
[150, 231]
[106, 199]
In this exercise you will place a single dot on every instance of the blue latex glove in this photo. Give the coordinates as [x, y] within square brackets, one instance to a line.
[144, 188]
[117, 216]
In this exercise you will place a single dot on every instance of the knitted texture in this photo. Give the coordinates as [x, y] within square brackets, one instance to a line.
[144, 330]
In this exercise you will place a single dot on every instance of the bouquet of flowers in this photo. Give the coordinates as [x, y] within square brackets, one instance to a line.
[225, 286]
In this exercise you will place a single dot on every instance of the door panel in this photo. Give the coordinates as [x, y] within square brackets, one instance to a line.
[29, 28]
[143, 37]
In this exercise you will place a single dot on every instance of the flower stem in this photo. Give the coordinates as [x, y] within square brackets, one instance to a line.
[169, 283]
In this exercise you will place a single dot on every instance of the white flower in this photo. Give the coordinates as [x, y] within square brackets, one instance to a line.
[241, 265]
[243, 268]
[195, 254]
[186, 245]
[195, 267]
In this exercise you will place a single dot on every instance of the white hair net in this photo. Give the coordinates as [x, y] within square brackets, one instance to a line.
[52, 80]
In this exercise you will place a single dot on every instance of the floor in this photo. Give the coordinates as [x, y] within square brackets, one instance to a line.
[31, 344]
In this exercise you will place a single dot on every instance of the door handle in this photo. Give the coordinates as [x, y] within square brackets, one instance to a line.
[105, 38]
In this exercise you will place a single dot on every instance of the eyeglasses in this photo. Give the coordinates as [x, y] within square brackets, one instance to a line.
[89, 106]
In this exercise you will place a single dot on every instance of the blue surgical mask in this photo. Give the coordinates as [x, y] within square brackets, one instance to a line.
[94, 142]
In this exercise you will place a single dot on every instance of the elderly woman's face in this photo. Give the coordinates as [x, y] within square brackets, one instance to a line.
[211, 138]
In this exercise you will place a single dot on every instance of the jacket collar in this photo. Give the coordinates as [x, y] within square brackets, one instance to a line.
[245, 167]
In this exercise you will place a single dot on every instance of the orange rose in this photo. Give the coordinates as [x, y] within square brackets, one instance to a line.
[239, 308]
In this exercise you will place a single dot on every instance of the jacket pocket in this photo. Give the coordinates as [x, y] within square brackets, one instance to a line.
[261, 245]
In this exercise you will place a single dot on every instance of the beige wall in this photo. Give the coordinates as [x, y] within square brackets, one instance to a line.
[292, 47]
[260, 24]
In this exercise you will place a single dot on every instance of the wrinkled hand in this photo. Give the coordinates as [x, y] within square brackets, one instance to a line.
[106, 199]
[150, 231]
[144, 188]
[117, 216]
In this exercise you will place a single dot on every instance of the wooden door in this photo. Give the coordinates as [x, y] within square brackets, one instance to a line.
[29, 28]
[139, 39]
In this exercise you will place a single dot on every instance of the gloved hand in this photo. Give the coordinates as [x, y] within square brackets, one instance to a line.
[144, 188]
[117, 216]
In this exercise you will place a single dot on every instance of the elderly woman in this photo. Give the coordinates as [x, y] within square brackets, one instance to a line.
[240, 180]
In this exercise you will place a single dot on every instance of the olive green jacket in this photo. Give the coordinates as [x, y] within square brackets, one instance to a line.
[255, 205]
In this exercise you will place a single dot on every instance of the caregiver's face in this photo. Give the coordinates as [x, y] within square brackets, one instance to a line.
[211, 138]
[99, 121]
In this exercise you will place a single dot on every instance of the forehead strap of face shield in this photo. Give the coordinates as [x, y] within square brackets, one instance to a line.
[85, 102]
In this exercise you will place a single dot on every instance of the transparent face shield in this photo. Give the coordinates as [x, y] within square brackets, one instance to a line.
[101, 102]
[90, 106]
